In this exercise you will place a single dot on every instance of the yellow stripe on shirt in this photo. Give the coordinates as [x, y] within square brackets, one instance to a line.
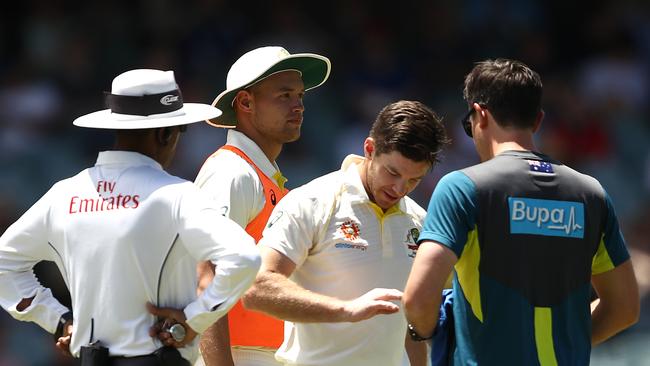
[468, 275]
[601, 261]
[544, 336]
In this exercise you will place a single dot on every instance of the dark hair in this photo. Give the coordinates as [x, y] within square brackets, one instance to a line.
[410, 128]
[509, 89]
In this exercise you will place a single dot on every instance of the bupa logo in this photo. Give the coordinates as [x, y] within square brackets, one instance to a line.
[169, 99]
[546, 217]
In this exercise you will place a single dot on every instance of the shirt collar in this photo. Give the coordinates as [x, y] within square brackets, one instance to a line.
[117, 157]
[526, 154]
[250, 148]
[353, 186]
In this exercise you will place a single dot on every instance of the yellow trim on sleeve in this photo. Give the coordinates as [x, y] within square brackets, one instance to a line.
[601, 261]
[468, 275]
[544, 336]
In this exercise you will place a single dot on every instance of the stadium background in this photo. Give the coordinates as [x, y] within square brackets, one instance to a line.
[56, 58]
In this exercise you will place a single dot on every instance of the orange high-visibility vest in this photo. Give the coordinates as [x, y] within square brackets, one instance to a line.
[251, 328]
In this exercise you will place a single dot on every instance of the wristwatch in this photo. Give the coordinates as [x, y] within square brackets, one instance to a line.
[414, 334]
[66, 317]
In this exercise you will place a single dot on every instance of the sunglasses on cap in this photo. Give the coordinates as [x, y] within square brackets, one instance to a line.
[465, 121]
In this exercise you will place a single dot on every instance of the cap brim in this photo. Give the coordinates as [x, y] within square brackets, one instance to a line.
[315, 70]
[191, 113]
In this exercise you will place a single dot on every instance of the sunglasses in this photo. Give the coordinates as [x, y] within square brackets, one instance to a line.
[466, 123]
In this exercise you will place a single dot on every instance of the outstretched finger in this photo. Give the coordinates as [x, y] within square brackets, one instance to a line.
[159, 312]
[166, 313]
[387, 294]
[385, 307]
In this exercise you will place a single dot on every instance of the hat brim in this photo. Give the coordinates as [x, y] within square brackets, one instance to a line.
[315, 70]
[191, 113]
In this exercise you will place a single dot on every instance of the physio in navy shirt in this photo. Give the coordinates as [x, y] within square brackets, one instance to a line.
[526, 238]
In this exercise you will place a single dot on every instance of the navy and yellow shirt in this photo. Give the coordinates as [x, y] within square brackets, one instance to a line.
[529, 233]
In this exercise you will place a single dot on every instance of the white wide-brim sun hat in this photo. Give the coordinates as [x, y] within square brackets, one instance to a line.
[260, 63]
[146, 98]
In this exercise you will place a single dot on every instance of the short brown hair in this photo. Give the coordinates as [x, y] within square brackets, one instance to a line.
[410, 128]
[509, 89]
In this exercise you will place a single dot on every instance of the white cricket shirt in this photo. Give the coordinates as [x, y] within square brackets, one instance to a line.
[233, 183]
[344, 246]
[124, 233]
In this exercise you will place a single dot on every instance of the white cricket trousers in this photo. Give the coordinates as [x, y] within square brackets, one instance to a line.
[247, 356]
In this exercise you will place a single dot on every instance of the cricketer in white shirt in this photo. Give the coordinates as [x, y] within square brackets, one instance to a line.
[343, 246]
[233, 183]
[124, 233]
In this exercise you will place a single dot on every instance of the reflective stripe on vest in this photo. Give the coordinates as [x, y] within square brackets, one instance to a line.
[251, 328]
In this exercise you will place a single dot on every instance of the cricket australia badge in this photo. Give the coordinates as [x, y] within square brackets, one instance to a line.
[411, 241]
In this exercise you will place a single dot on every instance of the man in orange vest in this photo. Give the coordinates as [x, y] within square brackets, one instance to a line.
[264, 103]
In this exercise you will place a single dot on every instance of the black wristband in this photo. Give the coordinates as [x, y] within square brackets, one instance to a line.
[66, 317]
[414, 334]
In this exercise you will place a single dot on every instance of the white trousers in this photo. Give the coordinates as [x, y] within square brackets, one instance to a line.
[250, 356]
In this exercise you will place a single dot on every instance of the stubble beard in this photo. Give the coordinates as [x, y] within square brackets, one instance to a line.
[292, 135]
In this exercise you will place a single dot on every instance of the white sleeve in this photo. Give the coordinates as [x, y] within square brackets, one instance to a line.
[293, 226]
[207, 235]
[234, 186]
[24, 244]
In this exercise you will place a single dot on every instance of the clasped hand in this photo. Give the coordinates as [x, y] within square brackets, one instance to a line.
[168, 317]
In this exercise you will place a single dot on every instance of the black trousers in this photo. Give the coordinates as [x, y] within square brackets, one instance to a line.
[149, 360]
[163, 357]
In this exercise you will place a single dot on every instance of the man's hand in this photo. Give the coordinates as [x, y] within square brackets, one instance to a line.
[168, 317]
[373, 302]
[63, 343]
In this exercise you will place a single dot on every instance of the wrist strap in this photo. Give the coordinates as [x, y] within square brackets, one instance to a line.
[414, 334]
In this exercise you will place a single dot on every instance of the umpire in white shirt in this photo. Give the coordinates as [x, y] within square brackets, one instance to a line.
[126, 237]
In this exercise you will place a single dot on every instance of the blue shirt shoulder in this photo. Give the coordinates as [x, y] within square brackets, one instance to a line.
[451, 214]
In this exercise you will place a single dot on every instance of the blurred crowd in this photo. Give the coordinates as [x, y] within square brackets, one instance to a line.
[57, 58]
